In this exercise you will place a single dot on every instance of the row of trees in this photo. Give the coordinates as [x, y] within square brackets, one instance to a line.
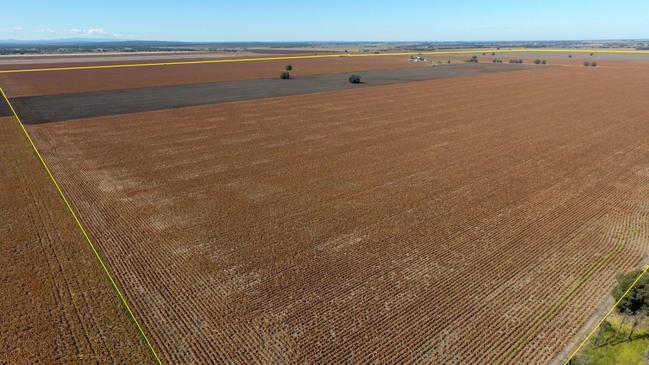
[474, 59]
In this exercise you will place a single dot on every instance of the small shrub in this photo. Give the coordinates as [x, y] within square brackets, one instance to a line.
[473, 59]
[449, 62]
[354, 79]
[514, 60]
[543, 62]
[586, 63]
[593, 64]
[285, 75]
[493, 53]
[569, 56]
[497, 60]
[537, 62]
[289, 68]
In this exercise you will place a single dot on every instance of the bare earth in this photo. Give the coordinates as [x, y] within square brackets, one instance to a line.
[61, 107]
[58, 82]
[37, 61]
[460, 221]
[57, 306]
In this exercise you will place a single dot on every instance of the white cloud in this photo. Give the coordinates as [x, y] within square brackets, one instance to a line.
[96, 31]
[88, 31]
[92, 32]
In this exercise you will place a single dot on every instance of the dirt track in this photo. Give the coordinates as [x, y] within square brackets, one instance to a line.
[434, 222]
[61, 107]
[57, 306]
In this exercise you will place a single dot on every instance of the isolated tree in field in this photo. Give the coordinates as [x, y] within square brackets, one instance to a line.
[289, 68]
[538, 62]
[285, 75]
[636, 302]
[594, 64]
[354, 79]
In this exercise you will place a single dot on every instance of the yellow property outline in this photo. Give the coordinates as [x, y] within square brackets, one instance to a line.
[83, 231]
[601, 321]
[278, 58]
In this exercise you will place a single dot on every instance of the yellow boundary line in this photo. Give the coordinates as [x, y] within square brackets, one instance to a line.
[259, 59]
[601, 321]
[278, 58]
[83, 231]
[555, 309]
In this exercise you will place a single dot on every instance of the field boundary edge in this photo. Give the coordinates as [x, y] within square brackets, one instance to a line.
[608, 313]
[332, 55]
[83, 231]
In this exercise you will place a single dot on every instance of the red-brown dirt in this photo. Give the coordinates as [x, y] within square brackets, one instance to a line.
[57, 306]
[56, 82]
[468, 220]
[61, 60]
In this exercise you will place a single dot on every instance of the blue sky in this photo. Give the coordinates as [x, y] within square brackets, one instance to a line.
[326, 20]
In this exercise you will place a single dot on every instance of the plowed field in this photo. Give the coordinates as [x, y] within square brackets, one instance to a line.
[57, 306]
[57, 82]
[461, 221]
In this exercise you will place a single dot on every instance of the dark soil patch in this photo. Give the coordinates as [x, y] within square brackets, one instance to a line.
[54, 108]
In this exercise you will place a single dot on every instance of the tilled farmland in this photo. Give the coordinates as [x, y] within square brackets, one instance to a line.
[467, 220]
[57, 306]
[61, 107]
[45, 83]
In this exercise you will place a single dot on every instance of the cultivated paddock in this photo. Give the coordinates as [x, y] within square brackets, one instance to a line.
[44, 83]
[61, 107]
[57, 306]
[476, 219]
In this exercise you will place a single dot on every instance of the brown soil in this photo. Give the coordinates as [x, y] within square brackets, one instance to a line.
[467, 220]
[44, 83]
[90, 59]
[62, 107]
[57, 82]
[57, 306]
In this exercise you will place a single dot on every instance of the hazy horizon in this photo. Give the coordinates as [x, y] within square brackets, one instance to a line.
[308, 42]
[328, 21]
